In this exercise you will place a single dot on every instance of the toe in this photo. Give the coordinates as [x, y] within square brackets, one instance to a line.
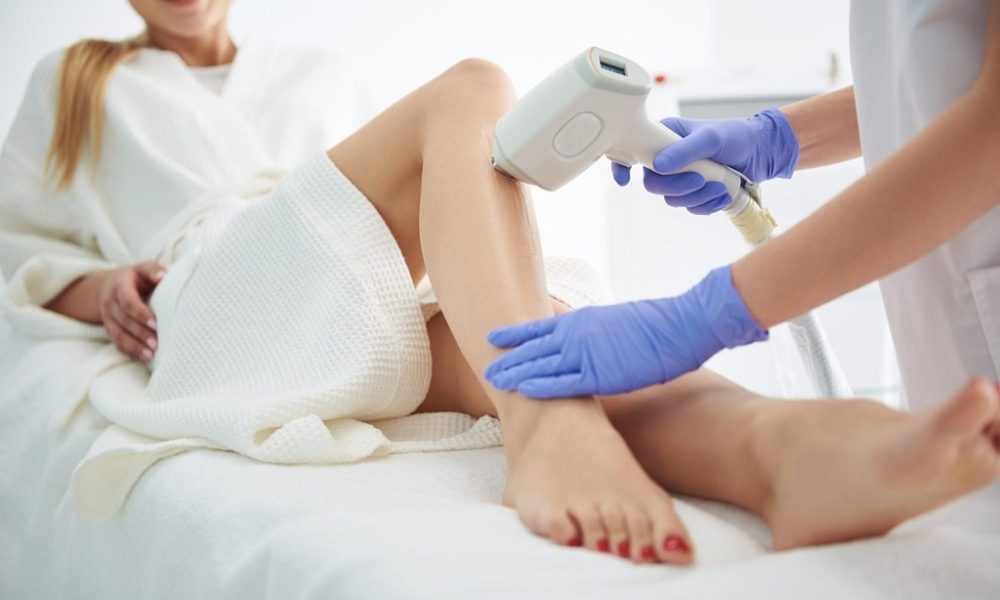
[986, 459]
[591, 526]
[555, 525]
[993, 431]
[617, 528]
[671, 539]
[968, 413]
[640, 533]
[562, 530]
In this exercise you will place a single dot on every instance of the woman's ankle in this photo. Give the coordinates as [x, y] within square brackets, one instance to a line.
[521, 417]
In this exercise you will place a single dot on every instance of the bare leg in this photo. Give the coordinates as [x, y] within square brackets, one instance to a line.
[426, 161]
[817, 471]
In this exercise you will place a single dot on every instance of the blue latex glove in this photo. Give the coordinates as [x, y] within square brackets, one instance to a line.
[761, 147]
[623, 347]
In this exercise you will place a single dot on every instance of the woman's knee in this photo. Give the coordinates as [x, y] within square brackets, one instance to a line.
[480, 78]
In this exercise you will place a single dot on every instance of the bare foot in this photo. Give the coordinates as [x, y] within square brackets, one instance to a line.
[572, 479]
[850, 469]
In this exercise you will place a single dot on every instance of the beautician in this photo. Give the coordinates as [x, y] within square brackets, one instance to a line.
[925, 114]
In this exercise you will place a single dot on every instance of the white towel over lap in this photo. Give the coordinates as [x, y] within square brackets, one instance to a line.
[289, 331]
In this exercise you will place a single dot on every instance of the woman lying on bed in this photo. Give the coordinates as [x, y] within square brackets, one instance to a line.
[97, 189]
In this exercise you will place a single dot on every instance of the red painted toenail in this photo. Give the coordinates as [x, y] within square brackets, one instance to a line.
[675, 543]
[647, 553]
[575, 542]
[604, 545]
[624, 549]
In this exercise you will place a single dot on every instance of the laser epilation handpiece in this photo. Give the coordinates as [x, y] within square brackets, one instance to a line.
[595, 106]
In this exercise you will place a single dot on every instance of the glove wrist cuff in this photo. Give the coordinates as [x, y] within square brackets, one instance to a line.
[724, 312]
[784, 143]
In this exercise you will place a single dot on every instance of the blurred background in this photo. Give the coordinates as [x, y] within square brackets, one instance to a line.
[720, 58]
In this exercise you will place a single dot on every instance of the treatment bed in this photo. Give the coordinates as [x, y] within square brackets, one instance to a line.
[214, 524]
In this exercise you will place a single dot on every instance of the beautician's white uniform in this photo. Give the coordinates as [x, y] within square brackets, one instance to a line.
[912, 59]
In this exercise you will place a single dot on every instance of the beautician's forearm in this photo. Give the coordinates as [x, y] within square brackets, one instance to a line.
[80, 299]
[826, 127]
[932, 188]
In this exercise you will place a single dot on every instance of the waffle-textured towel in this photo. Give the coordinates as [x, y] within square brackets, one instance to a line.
[289, 331]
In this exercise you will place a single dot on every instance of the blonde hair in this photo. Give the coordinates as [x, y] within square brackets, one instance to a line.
[83, 78]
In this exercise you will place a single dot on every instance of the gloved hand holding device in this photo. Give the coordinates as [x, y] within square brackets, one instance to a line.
[594, 105]
[761, 147]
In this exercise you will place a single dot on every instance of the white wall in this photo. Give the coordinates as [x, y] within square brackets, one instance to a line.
[720, 47]
[402, 43]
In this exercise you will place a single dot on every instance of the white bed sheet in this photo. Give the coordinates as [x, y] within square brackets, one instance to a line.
[211, 524]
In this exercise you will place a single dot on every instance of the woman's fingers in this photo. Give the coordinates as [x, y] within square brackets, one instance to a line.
[152, 271]
[147, 276]
[137, 330]
[125, 341]
[129, 321]
[133, 316]
[136, 309]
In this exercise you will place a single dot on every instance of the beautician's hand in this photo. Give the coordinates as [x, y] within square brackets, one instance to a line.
[761, 147]
[624, 347]
[123, 296]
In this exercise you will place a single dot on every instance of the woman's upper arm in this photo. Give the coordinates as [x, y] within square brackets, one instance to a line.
[30, 206]
[42, 237]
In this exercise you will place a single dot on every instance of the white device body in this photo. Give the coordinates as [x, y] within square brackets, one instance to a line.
[595, 106]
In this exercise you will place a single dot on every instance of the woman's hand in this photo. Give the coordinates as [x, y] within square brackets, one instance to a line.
[122, 296]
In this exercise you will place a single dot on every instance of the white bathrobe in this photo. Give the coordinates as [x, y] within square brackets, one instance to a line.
[171, 148]
[288, 327]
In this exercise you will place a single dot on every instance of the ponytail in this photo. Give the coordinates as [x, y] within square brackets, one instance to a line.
[83, 78]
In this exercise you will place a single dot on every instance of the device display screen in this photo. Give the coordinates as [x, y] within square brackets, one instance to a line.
[613, 68]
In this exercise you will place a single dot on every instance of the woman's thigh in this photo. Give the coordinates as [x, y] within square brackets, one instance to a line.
[382, 160]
